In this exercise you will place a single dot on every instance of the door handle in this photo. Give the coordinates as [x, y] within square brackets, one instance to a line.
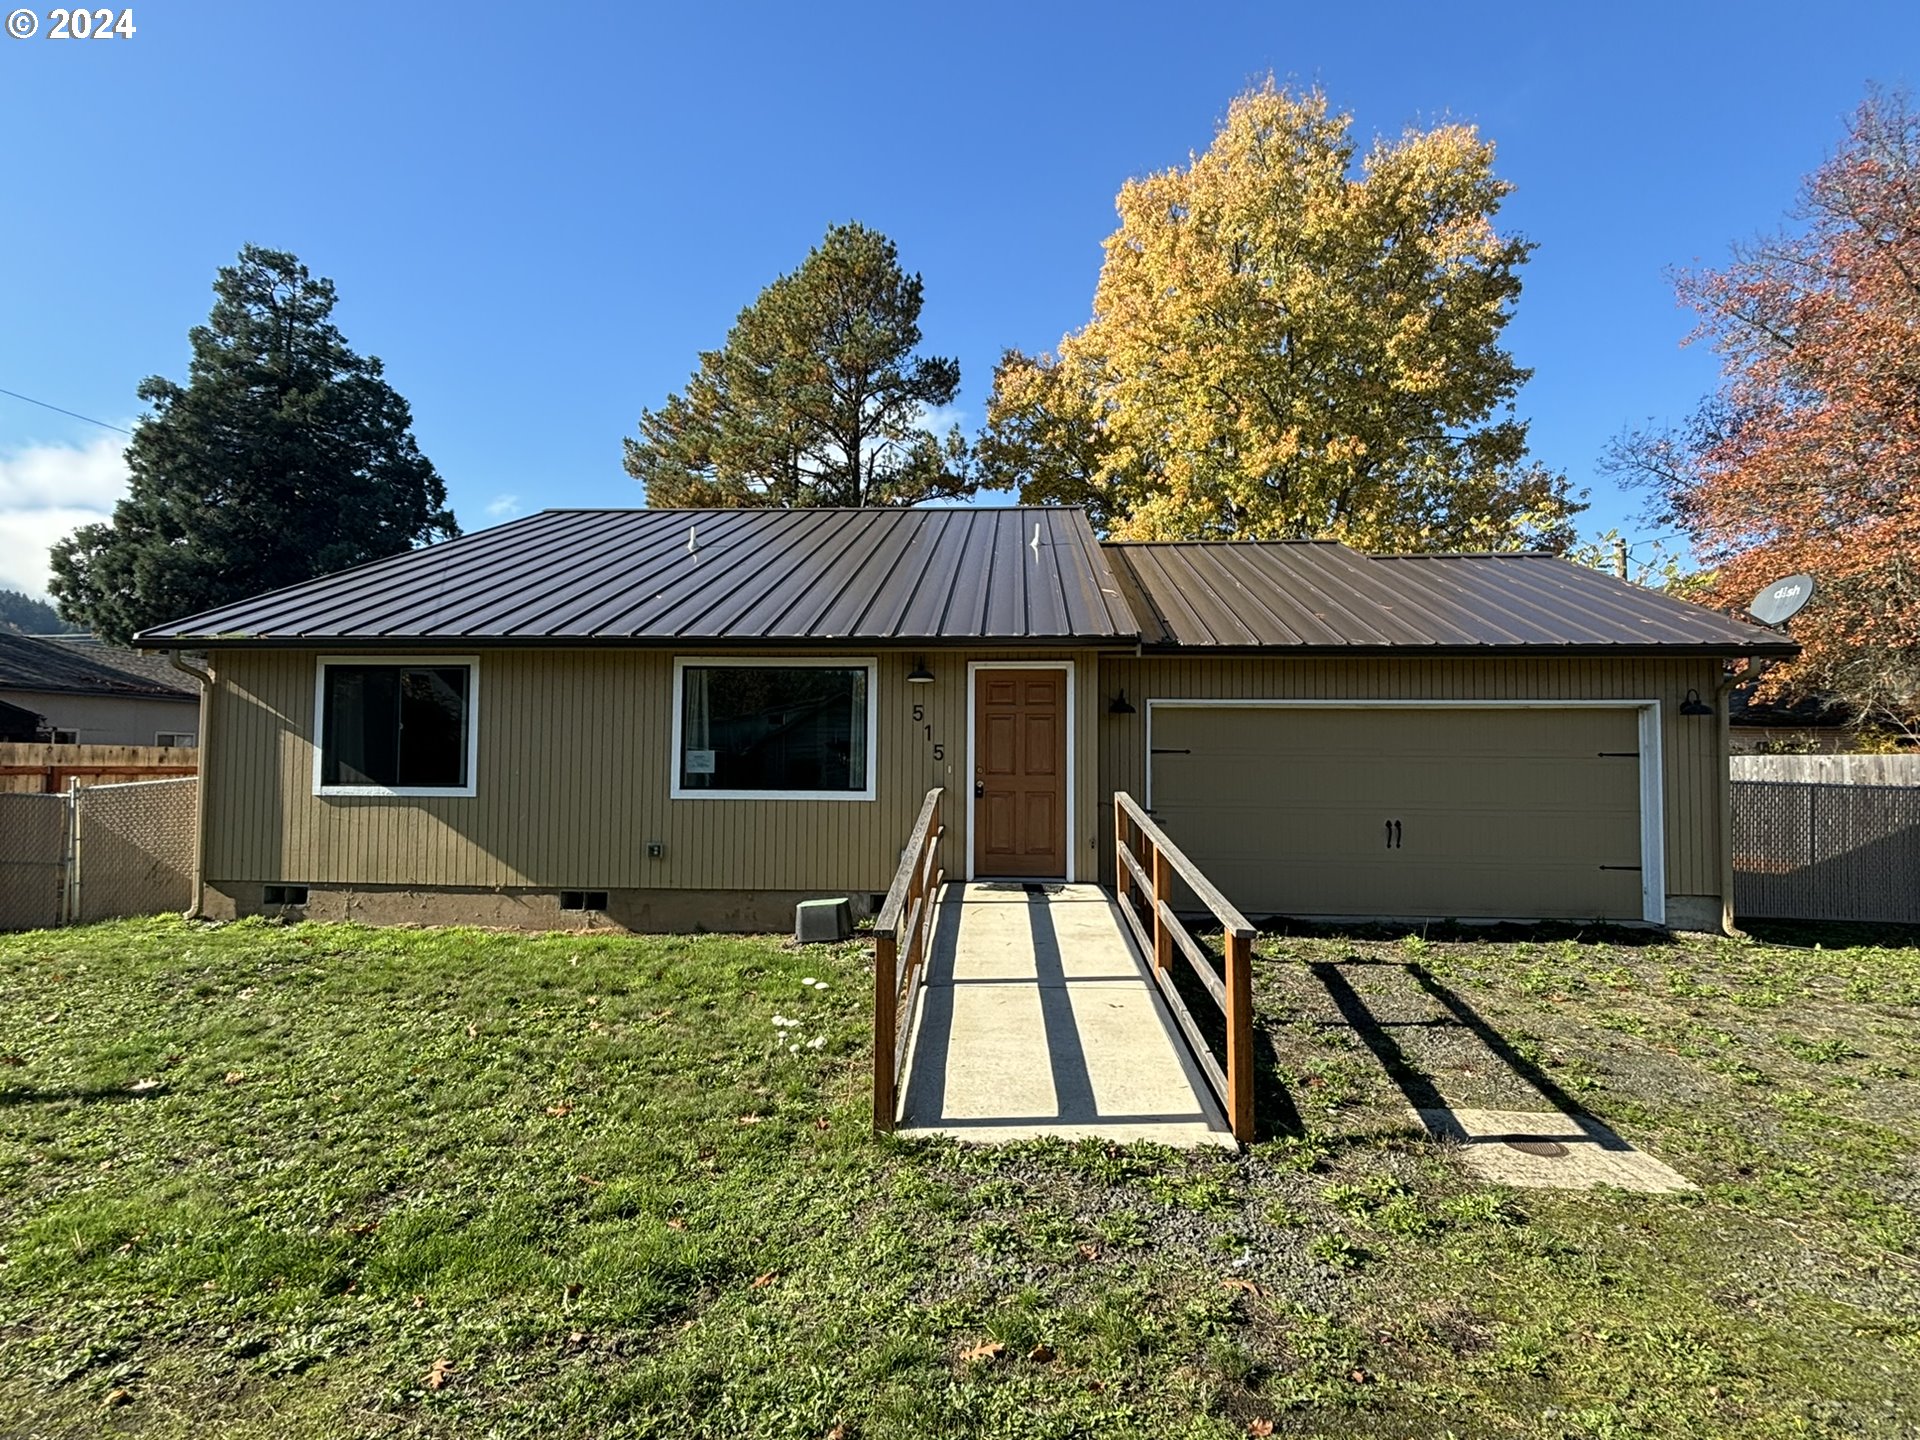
[979, 789]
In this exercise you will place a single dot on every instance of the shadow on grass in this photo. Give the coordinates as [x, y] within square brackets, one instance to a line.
[19, 1096]
[1831, 934]
[1415, 1084]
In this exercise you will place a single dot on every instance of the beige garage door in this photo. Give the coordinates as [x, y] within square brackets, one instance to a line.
[1406, 812]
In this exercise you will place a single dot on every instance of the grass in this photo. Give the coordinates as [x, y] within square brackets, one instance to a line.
[329, 1180]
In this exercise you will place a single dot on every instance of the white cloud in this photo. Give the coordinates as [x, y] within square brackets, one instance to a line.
[46, 491]
[503, 507]
[938, 419]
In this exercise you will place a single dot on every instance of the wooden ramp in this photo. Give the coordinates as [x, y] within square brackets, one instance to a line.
[1038, 1018]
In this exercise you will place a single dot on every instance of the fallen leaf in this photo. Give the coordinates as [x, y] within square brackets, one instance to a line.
[573, 1290]
[233, 1077]
[747, 1120]
[116, 1399]
[838, 1432]
[589, 1181]
[473, 1031]
[676, 1223]
[1041, 1353]
[1089, 1252]
[823, 1123]
[986, 1350]
[140, 1087]
[577, 1338]
[1360, 1377]
[559, 1109]
[1240, 1282]
[762, 1282]
[419, 1302]
[440, 1374]
[1260, 1427]
[365, 1227]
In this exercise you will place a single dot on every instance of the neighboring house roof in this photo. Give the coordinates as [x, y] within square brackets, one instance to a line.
[1798, 712]
[749, 577]
[56, 667]
[960, 575]
[137, 664]
[1317, 595]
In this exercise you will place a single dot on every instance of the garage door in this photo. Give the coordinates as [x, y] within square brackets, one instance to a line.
[1406, 812]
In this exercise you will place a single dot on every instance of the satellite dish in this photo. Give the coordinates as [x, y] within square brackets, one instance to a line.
[1782, 600]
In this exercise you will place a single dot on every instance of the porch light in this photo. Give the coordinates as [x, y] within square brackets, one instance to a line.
[1694, 705]
[1121, 705]
[920, 675]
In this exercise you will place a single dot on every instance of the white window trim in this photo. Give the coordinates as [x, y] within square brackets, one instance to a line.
[401, 792]
[1073, 759]
[1653, 823]
[176, 743]
[775, 662]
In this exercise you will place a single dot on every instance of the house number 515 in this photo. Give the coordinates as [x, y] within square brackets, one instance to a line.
[920, 719]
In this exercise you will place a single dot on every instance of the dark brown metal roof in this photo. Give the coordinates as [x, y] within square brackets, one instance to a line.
[1013, 574]
[1321, 596]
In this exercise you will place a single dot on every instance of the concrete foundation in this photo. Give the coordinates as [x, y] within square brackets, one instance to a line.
[641, 911]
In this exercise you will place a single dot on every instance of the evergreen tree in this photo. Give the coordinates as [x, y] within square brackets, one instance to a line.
[24, 615]
[283, 457]
[816, 398]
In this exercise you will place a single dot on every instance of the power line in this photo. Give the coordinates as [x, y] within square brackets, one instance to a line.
[74, 414]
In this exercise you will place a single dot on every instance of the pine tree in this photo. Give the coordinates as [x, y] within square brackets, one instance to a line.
[816, 398]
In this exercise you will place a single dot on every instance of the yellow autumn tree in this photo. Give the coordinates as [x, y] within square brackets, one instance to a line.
[1289, 340]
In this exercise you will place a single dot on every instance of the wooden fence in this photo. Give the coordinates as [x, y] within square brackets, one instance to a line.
[38, 769]
[1148, 862]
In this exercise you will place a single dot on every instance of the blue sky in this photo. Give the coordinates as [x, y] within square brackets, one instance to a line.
[537, 215]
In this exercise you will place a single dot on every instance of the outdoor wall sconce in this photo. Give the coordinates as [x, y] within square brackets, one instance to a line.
[1694, 705]
[1121, 705]
[920, 675]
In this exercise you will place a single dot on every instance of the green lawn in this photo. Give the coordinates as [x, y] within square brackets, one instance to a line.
[329, 1180]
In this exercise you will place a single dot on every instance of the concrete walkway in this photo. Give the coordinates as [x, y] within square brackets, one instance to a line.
[1038, 1020]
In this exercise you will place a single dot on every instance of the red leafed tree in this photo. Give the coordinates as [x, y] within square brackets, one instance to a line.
[1808, 458]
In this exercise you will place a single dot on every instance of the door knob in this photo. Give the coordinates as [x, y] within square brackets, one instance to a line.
[979, 789]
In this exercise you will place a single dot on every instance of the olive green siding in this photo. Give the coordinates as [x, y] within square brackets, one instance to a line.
[573, 780]
[1695, 769]
[574, 767]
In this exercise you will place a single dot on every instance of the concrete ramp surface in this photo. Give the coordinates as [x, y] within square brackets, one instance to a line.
[1037, 1019]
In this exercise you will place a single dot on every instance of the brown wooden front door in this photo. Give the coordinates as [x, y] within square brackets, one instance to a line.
[1020, 774]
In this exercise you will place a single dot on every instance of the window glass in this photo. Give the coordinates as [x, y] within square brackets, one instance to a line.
[403, 727]
[767, 727]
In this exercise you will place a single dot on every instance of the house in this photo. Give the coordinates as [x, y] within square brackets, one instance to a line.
[1797, 725]
[696, 718]
[87, 693]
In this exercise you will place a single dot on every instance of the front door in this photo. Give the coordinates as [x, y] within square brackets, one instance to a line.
[1020, 774]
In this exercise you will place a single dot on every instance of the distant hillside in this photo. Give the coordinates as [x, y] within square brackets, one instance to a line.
[24, 615]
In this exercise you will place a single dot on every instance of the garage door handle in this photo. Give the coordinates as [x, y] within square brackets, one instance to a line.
[1393, 835]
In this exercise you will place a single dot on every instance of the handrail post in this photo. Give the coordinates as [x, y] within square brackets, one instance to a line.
[1162, 900]
[886, 996]
[1119, 844]
[1239, 979]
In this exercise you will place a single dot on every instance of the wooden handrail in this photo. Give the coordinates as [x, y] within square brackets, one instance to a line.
[1146, 861]
[909, 907]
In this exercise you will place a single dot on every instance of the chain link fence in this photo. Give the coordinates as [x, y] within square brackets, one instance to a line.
[1826, 851]
[133, 849]
[96, 853]
[35, 831]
